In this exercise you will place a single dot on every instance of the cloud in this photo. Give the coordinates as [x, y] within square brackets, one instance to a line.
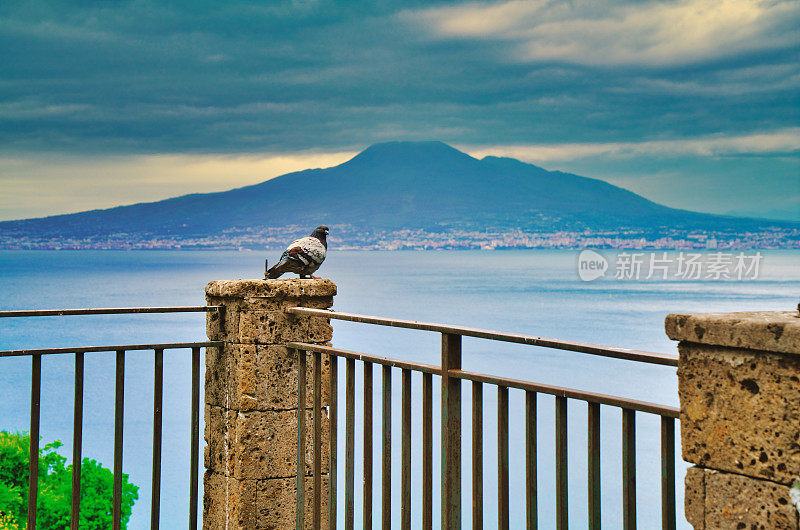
[31, 109]
[784, 141]
[141, 77]
[737, 82]
[641, 33]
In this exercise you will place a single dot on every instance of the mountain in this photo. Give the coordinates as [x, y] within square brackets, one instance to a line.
[392, 186]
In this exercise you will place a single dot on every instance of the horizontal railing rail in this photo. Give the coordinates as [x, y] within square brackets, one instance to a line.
[452, 376]
[78, 402]
[531, 340]
[126, 347]
[108, 311]
[590, 397]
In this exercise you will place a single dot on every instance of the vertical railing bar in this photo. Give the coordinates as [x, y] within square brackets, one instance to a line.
[502, 458]
[119, 408]
[427, 451]
[562, 487]
[33, 455]
[158, 399]
[531, 465]
[667, 473]
[405, 496]
[593, 471]
[317, 493]
[77, 443]
[451, 433]
[477, 455]
[300, 509]
[195, 441]
[628, 469]
[333, 439]
[367, 486]
[386, 451]
[350, 442]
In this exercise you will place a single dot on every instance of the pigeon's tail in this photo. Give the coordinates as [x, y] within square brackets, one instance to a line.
[276, 270]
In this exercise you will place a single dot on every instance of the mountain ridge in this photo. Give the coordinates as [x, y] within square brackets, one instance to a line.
[390, 186]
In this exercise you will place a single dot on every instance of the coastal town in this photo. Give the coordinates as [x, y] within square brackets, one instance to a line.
[346, 237]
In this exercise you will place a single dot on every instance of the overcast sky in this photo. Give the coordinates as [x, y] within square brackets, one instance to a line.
[691, 103]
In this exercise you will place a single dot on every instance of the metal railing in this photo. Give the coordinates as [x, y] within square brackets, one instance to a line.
[158, 378]
[452, 376]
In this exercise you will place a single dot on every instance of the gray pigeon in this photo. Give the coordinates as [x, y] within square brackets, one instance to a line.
[303, 256]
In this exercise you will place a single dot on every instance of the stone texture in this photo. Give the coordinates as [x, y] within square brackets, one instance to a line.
[229, 503]
[249, 377]
[251, 401]
[277, 503]
[736, 501]
[268, 504]
[716, 499]
[219, 324]
[277, 289]
[258, 445]
[740, 410]
[261, 303]
[219, 434]
[274, 327]
[255, 310]
[264, 321]
[694, 499]
[776, 331]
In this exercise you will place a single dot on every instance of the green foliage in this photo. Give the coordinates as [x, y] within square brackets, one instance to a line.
[55, 488]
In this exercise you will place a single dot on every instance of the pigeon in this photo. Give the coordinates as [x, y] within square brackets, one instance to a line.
[303, 256]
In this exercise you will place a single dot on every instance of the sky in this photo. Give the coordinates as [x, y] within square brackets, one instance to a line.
[691, 103]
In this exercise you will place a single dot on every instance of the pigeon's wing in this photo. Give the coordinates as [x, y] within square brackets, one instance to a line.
[299, 251]
[308, 253]
[311, 249]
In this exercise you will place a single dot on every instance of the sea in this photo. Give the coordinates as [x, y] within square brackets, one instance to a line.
[537, 292]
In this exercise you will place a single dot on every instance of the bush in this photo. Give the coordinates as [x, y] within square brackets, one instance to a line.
[55, 488]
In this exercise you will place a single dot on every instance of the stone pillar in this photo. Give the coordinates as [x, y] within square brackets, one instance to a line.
[251, 401]
[739, 386]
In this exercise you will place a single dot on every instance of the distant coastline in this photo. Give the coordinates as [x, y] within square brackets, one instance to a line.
[414, 239]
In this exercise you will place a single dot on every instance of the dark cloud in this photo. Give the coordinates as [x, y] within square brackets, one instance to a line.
[240, 77]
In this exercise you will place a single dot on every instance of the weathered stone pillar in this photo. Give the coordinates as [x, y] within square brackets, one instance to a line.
[251, 401]
[739, 386]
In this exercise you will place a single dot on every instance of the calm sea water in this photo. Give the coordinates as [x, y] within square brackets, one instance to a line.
[535, 292]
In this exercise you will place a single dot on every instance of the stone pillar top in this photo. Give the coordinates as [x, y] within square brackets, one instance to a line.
[776, 331]
[279, 288]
